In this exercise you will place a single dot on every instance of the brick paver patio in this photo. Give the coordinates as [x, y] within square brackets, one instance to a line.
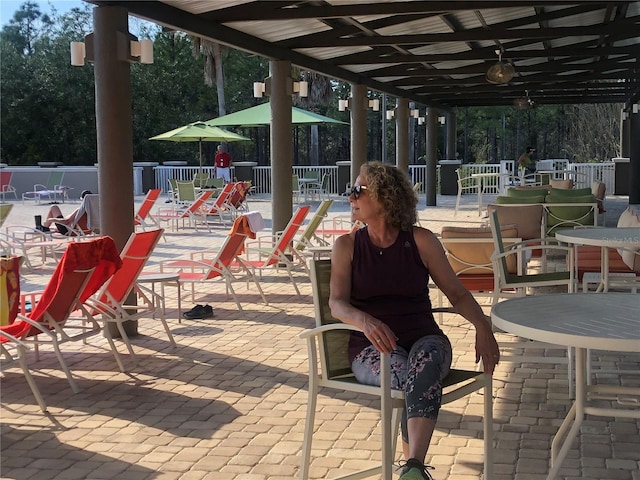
[229, 402]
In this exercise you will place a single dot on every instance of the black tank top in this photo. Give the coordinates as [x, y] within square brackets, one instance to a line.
[392, 285]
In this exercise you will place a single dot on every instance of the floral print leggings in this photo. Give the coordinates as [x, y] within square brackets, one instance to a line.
[419, 373]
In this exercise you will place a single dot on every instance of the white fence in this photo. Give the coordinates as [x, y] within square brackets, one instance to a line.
[584, 174]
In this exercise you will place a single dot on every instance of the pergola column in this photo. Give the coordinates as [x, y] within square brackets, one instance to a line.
[281, 144]
[402, 134]
[358, 129]
[114, 133]
[432, 156]
[113, 125]
[451, 147]
[634, 158]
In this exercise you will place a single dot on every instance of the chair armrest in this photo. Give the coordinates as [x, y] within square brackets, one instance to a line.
[314, 332]
[14, 231]
[184, 264]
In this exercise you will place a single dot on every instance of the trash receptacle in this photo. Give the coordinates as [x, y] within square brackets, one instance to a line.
[344, 175]
[622, 172]
[243, 171]
[148, 175]
[449, 177]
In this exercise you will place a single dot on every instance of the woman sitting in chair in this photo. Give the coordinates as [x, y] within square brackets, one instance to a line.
[379, 278]
[58, 220]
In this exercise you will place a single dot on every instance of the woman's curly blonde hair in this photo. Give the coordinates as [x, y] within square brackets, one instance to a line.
[392, 188]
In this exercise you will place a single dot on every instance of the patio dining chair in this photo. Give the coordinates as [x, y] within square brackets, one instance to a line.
[186, 192]
[296, 188]
[200, 179]
[507, 283]
[329, 368]
[465, 185]
[320, 189]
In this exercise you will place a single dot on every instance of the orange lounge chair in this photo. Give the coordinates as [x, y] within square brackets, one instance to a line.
[196, 211]
[111, 299]
[144, 211]
[237, 201]
[84, 267]
[207, 266]
[220, 206]
[274, 251]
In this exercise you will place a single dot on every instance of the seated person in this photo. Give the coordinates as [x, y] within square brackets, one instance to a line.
[57, 219]
[379, 278]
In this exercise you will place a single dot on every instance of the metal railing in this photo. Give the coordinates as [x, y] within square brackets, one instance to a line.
[585, 174]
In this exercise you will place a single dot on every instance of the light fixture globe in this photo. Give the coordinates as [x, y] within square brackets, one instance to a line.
[524, 103]
[501, 72]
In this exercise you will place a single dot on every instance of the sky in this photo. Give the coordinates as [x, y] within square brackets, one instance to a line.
[9, 7]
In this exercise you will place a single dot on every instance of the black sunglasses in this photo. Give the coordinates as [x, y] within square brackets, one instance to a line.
[356, 191]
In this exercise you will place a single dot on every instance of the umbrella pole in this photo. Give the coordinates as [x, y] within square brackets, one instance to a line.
[200, 173]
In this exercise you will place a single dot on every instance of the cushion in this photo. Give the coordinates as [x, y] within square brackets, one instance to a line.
[577, 192]
[462, 255]
[528, 192]
[568, 216]
[632, 259]
[546, 188]
[527, 219]
[561, 184]
[598, 189]
[501, 200]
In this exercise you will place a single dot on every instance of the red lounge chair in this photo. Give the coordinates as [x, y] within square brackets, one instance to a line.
[84, 267]
[144, 211]
[220, 206]
[274, 251]
[223, 264]
[111, 299]
[196, 211]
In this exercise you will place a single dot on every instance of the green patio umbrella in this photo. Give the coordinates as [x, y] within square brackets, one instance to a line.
[200, 132]
[261, 115]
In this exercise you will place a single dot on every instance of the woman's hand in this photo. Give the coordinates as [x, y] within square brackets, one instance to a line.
[486, 347]
[379, 334]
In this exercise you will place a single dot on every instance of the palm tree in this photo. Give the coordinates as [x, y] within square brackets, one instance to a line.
[320, 94]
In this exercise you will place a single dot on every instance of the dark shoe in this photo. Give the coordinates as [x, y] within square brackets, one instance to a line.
[192, 311]
[198, 312]
[414, 469]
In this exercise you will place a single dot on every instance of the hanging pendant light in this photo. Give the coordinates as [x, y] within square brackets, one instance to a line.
[524, 103]
[501, 72]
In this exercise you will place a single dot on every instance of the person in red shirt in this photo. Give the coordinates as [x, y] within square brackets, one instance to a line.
[223, 164]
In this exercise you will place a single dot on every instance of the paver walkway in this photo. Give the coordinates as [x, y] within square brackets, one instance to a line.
[229, 402]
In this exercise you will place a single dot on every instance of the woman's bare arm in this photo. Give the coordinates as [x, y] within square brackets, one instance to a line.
[433, 256]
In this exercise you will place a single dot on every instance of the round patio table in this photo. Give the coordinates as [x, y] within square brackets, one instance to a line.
[603, 321]
[613, 237]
